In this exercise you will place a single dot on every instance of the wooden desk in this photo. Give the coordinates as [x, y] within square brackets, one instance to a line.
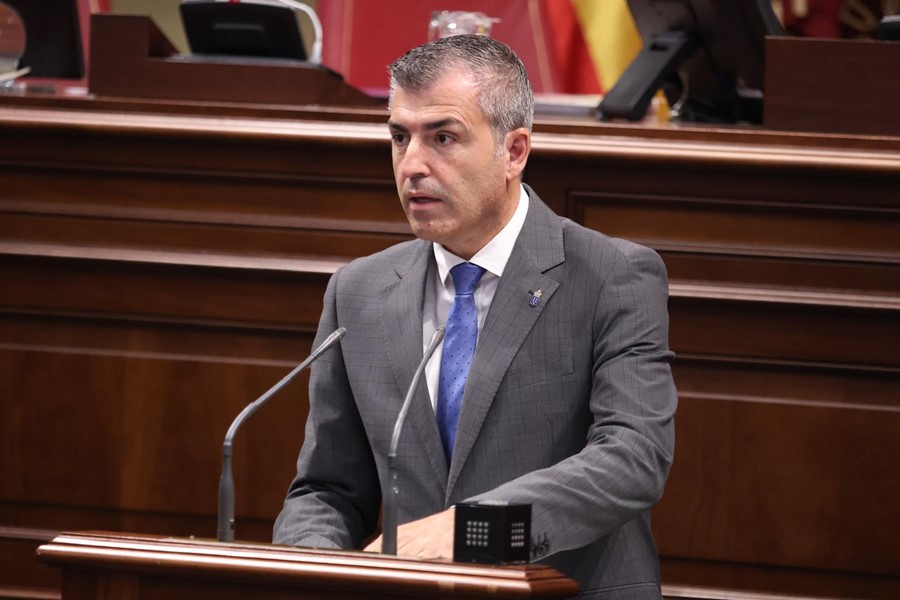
[100, 566]
[162, 265]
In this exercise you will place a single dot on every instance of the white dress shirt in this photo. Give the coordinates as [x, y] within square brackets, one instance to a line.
[440, 291]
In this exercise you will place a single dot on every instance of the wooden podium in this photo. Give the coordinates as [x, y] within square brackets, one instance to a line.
[832, 86]
[131, 58]
[114, 566]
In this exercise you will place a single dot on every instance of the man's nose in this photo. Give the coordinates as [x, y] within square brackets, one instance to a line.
[414, 162]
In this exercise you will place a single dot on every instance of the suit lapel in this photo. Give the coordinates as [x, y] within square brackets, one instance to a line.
[511, 317]
[401, 324]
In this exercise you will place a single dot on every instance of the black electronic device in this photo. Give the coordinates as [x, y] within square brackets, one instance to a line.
[889, 29]
[53, 47]
[492, 533]
[242, 29]
[708, 56]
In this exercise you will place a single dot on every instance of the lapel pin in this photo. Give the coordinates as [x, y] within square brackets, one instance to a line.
[535, 297]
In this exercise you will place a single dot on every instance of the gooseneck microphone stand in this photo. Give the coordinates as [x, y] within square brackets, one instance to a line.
[389, 522]
[226, 481]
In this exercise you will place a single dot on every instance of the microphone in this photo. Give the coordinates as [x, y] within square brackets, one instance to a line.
[389, 522]
[226, 481]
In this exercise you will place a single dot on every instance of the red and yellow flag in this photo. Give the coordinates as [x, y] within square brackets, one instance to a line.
[592, 43]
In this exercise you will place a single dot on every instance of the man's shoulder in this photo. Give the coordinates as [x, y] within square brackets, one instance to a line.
[386, 264]
[581, 240]
[586, 250]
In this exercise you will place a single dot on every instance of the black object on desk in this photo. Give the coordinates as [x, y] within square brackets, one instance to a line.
[706, 56]
[53, 48]
[492, 533]
[242, 29]
[889, 29]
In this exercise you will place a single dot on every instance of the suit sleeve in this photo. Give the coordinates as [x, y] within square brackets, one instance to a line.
[333, 501]
[621, 472]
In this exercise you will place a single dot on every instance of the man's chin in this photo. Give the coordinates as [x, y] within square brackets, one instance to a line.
[424, 233]
[428, 231]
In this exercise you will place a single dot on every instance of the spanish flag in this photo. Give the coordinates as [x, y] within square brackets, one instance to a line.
[568, 46]
[592, 43]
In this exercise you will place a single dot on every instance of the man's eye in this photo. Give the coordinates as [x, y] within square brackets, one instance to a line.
[443, 138]
[398, 138]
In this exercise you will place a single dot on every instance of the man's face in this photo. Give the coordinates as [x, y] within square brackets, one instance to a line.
[456, 185]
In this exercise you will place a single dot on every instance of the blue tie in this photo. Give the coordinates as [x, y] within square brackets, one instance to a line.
[459, 347]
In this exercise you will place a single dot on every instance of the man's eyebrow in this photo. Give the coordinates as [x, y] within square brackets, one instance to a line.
[443, 123]
[439, 124]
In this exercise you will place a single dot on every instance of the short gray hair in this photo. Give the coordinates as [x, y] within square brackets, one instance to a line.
[504, 91]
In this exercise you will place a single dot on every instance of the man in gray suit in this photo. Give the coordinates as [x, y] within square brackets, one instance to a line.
[553, 387]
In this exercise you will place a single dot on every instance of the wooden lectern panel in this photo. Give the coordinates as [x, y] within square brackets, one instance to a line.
[131, 58]
[121, 566]
[834, 86]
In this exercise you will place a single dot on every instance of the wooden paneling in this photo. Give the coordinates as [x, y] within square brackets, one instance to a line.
[784, 466]
[31, 577]
[772, 241]
[162, 266]
[800, 94]
[153, 363]
[732, 581]
[120, 377]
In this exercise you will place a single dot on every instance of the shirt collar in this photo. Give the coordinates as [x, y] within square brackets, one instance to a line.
[495, 254]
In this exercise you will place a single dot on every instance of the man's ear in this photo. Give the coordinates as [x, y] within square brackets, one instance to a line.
[518, 147]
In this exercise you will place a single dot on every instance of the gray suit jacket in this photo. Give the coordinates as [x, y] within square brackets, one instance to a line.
[568, 406]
